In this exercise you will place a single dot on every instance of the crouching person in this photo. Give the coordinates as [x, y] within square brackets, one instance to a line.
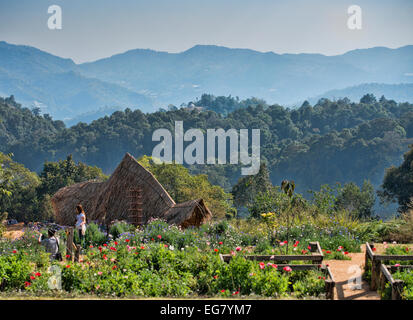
[51, 244]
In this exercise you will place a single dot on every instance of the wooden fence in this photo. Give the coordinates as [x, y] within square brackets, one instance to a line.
[316, 259]
[381, 271]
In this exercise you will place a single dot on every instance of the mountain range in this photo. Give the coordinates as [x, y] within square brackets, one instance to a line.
[148, 79]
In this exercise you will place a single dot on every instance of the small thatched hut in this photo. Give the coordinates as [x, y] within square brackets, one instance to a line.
[110, 200]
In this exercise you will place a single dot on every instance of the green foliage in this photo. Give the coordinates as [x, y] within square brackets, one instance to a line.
[56, 175]
[21, 199]
[14, 270]
[331, 141]
[182, 186]
[359, 202]
[407, 277]
[119, 228]
[94, 236]
[398, 183]
[248, 187]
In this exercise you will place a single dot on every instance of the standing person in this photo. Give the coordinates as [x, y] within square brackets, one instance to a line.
[81, 223]
[51, 244]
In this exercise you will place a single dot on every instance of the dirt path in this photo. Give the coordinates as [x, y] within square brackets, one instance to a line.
[343, 270]
[14, 231]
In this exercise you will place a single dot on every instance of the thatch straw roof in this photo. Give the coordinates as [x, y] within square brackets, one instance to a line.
[108, 201]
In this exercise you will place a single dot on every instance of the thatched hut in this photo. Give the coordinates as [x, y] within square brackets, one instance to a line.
[108, 201]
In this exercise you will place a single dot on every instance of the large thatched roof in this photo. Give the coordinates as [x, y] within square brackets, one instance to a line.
[108, 201]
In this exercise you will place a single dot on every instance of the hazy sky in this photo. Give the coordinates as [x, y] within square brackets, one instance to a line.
[94, 29]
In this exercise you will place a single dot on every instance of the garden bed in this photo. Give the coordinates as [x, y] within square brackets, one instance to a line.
[316, 258]
[378, 268]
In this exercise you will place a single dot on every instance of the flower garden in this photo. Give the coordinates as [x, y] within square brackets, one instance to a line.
[161, 260]
[164, 261]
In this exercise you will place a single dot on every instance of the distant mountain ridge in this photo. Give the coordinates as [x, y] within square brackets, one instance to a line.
[402, 92]
[148, 79]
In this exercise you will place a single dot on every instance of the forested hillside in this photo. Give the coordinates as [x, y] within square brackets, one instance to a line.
[332, 141]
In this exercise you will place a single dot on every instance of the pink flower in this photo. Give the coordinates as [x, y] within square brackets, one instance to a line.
[274, 266]
[100, 273]
[397, 265]
[262, 265]
[269, 264]
[238, 248]
[287, 269]
[281, 244]
[220, 242]
[159, 236]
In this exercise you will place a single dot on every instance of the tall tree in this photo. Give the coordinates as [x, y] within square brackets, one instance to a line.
[398, 183]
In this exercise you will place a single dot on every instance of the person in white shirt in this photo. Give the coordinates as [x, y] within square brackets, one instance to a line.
[81, 222]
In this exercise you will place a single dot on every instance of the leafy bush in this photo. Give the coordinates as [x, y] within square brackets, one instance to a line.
[120, 227]
[94, 236]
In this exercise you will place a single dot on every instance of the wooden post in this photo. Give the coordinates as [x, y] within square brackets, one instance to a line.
[369, 251]
[382, 282]
[329, 285]
[314, 250]
[77, 255]
[397, 289]
[375, 274]
[69, 243]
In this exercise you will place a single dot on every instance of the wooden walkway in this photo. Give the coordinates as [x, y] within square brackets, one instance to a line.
[343, 270]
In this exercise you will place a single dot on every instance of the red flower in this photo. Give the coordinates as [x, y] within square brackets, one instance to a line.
[236, 292]
[68, 266]
[105, 244]
[67, 256]
[238, 248]
[38, 274]
[215, 277]
[159, 236]
[90, 246]
[105, 257]
[152, 239]
[32, 278]
[114, 267]
[328, 251]
[216, 250]
[262, 265]
[309, 248]
[223, 290]
[113, 249]
[116, 243]
[127, 240]
[374, 249]
[142, 247]
[287, 268]
[220, 242]
[304, 251]
[26, 284]
[274, 266]
[345, 252]
[285, 241]
[14, 251]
